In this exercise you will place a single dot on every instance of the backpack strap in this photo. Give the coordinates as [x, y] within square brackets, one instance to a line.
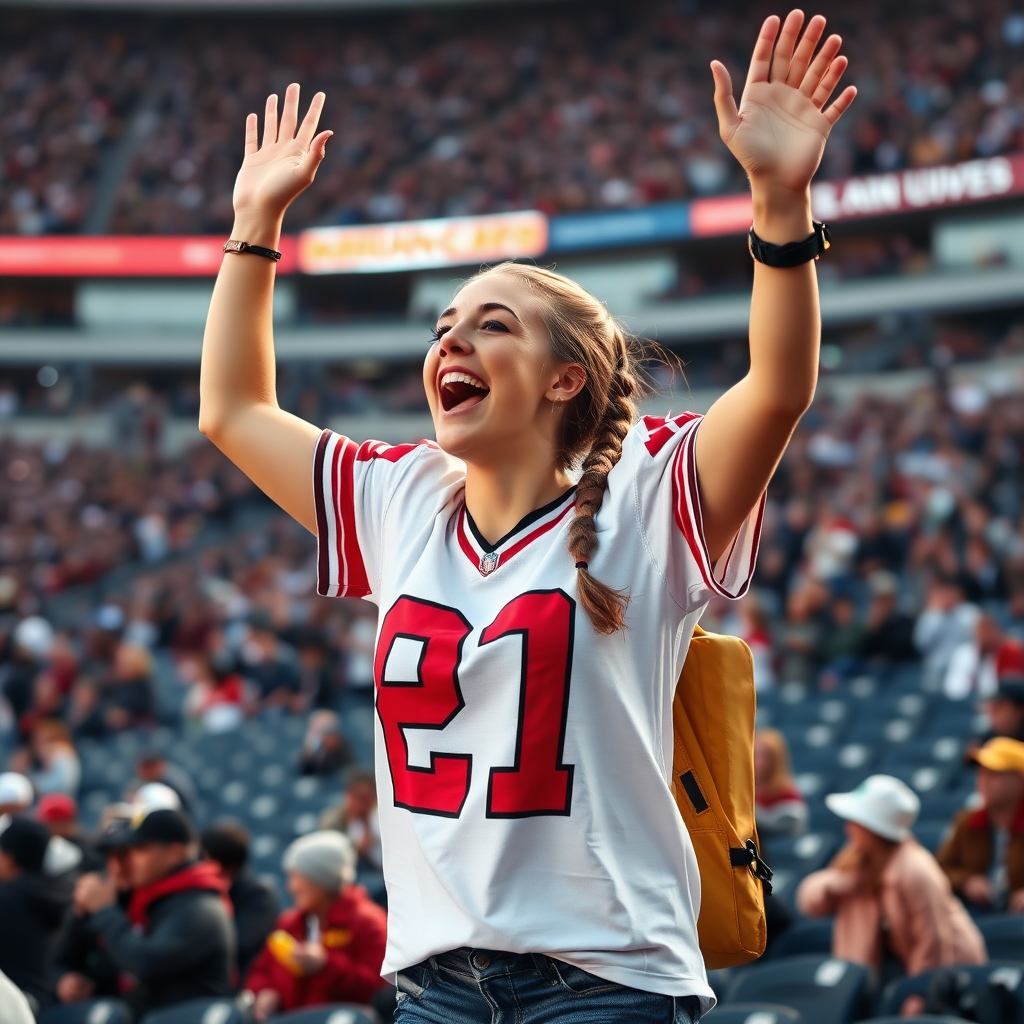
[747, 857]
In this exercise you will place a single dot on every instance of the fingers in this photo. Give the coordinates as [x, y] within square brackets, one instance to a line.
[841, 105]
[318, 149]
[805, 51]
[784, 47]
[308, 127]
[820, 68]
[252, 141]
[725, 102]
[827, 85]
[290, 113]
[270, 121]
[761, 58]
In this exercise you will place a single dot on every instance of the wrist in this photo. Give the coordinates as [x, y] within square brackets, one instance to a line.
[258, 228]
[781, 215]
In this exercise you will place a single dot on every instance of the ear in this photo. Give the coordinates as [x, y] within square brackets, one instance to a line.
[571, 380]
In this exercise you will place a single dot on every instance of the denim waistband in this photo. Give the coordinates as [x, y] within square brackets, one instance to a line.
[474, 964]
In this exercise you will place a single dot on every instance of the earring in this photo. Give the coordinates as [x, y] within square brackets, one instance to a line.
[555, 402]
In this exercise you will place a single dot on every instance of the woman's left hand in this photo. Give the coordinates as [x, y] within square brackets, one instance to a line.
[310, 958]
[778, 132]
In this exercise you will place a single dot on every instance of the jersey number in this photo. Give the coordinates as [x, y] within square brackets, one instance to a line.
[537, 782]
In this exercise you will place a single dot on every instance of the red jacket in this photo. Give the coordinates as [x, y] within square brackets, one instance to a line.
[354, 936]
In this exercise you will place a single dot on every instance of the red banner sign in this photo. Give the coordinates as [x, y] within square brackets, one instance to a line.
[115, 256]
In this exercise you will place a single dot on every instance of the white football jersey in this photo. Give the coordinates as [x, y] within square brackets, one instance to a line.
[523, 759]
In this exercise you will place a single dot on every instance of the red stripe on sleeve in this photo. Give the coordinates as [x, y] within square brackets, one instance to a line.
[352, 577]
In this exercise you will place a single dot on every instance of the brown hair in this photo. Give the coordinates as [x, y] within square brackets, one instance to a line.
[595, 422]
[781, 778]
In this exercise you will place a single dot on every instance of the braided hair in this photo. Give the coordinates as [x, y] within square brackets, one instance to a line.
[596, 421]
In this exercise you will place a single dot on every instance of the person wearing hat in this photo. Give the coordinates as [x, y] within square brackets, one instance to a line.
[329, 947]
[152, 766]
[16, 793]
[886, 891]
[59, 813]
[33, 906]
[83, 967]
[175, 941]
[984, 854]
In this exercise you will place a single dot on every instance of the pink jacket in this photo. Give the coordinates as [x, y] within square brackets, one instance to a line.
[927, 925]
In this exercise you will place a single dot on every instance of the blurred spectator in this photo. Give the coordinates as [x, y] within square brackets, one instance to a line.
[330, 946]
[324, 747]
[16, 794]
[215, 694]
[14, 1007]
[753, 629]
[83, 967]
[357, 817]
[947, 622]
[984, 854]
[1005, 709]
[155, 796]
[126, 697]
[838, 648]
[175, 939]
[59, 813]
[888, 632]
[976, 666]
[271, 666]
[54, 765]
[31, 644]
[226, 842]
[152, 766]
[32, 908]
[781, 810]
[888, 894]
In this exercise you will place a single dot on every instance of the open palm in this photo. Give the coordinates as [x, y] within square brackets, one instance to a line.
[274, 173]
[778, 132]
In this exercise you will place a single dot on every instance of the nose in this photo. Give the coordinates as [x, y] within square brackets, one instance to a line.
[453, 342]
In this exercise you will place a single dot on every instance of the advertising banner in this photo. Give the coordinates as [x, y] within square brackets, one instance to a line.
[418, 245]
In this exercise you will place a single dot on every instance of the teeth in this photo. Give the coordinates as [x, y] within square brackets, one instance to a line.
[463, 378]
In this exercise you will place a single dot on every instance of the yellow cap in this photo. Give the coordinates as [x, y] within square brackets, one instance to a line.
[1001, 754]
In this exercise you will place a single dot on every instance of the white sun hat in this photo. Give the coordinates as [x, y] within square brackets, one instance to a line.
[882, 804]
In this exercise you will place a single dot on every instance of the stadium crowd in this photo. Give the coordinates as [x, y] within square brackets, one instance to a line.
[466, 111]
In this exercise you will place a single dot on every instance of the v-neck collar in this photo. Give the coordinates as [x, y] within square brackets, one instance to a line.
[487, 557]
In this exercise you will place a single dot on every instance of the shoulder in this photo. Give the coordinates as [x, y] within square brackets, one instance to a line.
[291, 921]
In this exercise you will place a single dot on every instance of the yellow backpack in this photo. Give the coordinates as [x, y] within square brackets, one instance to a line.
[713, 786]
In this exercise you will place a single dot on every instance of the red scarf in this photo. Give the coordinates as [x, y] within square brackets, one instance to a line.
[204, 875]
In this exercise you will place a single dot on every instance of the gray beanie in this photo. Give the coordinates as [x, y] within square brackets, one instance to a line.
[327, 859]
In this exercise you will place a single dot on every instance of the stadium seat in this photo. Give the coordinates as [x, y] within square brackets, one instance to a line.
[818, 987]
[930, 834]
[199, 1011]
[930, 1019]
[91, 1011]
[806, 935]
[805, 853]
[1008, 974]
[1004, 936]
[341, 1013]
[754, 1013]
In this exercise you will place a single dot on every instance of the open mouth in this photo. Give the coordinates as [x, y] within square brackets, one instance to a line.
[461, 390]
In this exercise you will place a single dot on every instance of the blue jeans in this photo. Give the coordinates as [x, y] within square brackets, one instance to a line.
[483, 986]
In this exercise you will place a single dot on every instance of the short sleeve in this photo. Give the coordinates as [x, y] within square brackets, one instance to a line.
[354, 487]
[660, 451]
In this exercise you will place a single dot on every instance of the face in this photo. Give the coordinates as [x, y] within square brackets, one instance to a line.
[490, 378]
[764, 761]
[309, 897]
[1006, 716]
[118, 869]
[360, 799]
[8, 868]
[860, 839]
[1000, 789]
[152, 861]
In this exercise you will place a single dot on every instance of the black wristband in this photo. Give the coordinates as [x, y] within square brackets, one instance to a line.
[792, 254]
[232, 245]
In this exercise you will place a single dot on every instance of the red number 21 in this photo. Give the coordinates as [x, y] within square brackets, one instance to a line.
[537, 782]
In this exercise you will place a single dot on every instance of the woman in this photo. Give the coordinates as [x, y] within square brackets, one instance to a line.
[889, 896]
[781, 810]
[55, 764]
[531, 631]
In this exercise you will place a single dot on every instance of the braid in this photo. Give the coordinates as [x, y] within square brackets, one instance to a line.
[604, 606]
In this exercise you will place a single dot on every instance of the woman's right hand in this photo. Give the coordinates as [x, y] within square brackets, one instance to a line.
[274, 173]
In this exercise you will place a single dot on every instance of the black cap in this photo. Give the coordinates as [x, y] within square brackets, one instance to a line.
[25, 840]
[160, 826]
[1011, 688]
[116, 835]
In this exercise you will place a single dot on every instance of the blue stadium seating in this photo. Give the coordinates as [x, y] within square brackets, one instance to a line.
[804, 936]
[199, 1011]
[341, 1013]
[90, 1011]
[820, 988]
[754, 1013]
[1004, 936]
[1009, 974]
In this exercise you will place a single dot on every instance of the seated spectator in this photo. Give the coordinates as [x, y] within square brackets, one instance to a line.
[59, 813]
[356, 816]
[839, 643]
[753, 629]
[976, 665]
[31, 644]
[886, 891]
[15, 793]
[947, 622]
[330, 946]
[272, 667]
[324, 748]
[127, 697]
[255, 903]
[984, 854]
[888, 632]
[152, 766]
[83, 967]
[1005, 708]
[780, 806]
[215, 694]
[175, 941]
[55, 767]
[32, 908]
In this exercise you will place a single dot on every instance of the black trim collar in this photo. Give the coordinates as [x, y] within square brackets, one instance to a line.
[528, 520]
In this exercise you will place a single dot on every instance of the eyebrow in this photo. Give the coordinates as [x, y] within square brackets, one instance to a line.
[485, 308]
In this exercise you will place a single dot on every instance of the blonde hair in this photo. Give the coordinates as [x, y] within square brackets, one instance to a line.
[595, 422]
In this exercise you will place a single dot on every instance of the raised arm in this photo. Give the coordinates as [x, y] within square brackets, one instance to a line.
[778, 134]
[238, 407]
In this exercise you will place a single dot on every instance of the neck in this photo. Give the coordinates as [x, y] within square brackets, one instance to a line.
[498, 496]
